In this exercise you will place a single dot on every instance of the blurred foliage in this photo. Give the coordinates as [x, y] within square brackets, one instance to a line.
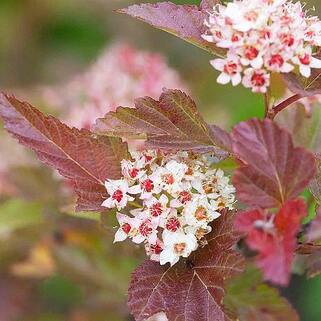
[56, 265]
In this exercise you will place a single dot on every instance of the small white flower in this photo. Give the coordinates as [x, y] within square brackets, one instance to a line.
[258, 80]
[306, 61]
[199, 212]
[278, 62]
[170, 177]
[149, 186]
[128, 227]
[133, 171]
[252, 56]
[158, 209]
[154, 250]
[177, 245]
[118, 191]
[230, 68]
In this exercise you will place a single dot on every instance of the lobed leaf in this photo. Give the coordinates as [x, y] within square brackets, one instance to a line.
[183, 21]
[315, 184]
[209, 4]
[305, 87]
[191, 290]
[250, 299]
[305, 128]
[274, 171]
[171, 123]
[79, 157]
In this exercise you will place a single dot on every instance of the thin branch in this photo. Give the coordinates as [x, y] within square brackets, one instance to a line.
[284, 104]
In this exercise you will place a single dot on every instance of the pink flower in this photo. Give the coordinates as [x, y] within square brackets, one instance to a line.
[230, 70]
[277, 61]
[257, 80]
[121, 74]
[119, 191]
[264, 35]
[127, 227]
[306, 61]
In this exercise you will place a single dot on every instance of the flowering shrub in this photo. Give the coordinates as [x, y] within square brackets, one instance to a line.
[174, 198]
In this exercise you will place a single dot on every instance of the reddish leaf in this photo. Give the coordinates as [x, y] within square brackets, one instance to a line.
[209, 4]
[191, 290]
[86, 161]
[184, 21]
[304, 86]
[305, 127]
[274, 170]
[251, 300]
[313, 264]
[173, 122]
[315, 184]
[275, 244]
[314, 232]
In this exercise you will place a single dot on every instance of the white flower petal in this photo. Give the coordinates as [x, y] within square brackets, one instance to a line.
[218, 64]
[305, 71]
[223, 78]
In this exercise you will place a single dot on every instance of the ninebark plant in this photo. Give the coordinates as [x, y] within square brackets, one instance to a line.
[203, 234]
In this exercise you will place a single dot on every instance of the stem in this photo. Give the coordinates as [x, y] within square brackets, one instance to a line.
[135, 204]
[284, 104]
[266, 105]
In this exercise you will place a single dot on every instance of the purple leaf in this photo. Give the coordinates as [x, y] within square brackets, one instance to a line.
[184, 21]
[274, 171]
[191, 290]
[79, 157]
[305, 87]
[172, 123]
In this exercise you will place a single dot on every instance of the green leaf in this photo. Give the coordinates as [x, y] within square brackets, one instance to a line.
[251, 300]
[16, 214]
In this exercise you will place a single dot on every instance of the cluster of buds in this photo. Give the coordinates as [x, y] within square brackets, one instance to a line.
[167, 202]
[262, 37]
[121, 74]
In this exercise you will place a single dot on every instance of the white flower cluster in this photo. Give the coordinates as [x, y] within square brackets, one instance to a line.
[262, 37]
[167, 202]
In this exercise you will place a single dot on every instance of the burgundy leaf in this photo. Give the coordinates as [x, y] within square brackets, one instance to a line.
[275, 244]
[305, 87]
[315, 184]
[209, 4]
[304, 126]
[191, 290]
[184, 21]
[274, 170]
[172, 123]
[82, 159]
